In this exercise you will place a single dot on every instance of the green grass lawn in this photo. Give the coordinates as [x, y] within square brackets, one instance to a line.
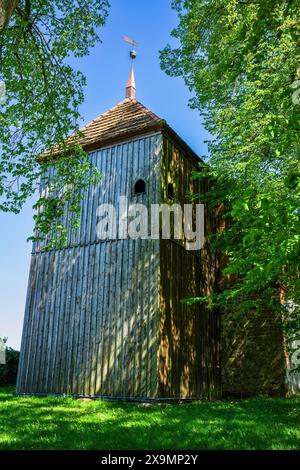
[66, 423]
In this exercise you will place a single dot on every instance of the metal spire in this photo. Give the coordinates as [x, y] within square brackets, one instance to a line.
[130, 86]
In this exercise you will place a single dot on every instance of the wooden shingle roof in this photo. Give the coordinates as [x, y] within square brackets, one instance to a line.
[127, 118]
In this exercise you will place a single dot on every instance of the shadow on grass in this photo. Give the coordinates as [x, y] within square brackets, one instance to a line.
[64, 423]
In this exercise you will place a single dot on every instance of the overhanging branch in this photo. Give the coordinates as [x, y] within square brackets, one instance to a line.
[7, 8]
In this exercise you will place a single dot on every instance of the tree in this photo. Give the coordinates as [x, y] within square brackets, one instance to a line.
[40, 106]
[7, 8]
[241, 61]
[8, 367]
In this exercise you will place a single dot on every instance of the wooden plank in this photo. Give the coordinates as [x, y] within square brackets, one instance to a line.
[71, 331]
[88, 321]
[34, 327]
[96, 323]
[42, 332]
[26, 327]
[58, 380]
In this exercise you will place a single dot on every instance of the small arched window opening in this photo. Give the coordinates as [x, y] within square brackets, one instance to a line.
[170, 191]
[140, 187]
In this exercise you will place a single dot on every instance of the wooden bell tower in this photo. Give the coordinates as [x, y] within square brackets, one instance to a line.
[105, 318]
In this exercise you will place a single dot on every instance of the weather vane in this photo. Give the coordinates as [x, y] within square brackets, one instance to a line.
[134, 44]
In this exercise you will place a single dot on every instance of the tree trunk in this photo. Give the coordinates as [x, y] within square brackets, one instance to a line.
[7, 7]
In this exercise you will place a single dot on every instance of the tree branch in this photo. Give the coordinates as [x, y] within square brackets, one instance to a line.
[7, 8]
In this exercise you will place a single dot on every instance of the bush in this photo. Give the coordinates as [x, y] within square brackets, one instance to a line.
[8, 371]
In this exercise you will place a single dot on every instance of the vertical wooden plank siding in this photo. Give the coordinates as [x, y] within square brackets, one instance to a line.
[91, 315]
[188, 353]
[105, 318]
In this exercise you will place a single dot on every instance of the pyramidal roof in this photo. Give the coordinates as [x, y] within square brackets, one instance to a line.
[127, 118]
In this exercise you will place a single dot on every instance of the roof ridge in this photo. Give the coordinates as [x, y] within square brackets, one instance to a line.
[147, 110]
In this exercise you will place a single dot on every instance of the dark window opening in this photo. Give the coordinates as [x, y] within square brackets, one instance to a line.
[140, 187]
[170, 191]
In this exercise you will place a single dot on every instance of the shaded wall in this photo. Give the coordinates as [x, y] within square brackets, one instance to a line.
[253, 354]
[189, 337]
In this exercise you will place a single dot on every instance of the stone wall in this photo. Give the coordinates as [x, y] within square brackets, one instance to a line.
[253, 354]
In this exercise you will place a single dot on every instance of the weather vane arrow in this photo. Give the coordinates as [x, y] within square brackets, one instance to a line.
[134, 44]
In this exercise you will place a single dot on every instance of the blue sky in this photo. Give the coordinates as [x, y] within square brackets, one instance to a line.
[106, 68]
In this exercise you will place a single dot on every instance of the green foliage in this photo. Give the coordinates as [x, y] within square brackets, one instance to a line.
[43, 93]
[63, 182]
[9, 371]
[64, 423]
[241, 59]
